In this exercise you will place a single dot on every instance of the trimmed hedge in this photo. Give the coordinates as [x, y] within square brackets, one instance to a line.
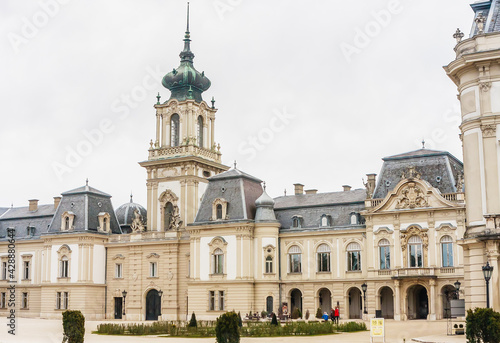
[483, 325]
[73, 327]
[227, 328]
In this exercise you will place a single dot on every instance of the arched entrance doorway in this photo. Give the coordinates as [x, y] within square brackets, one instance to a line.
[355, 304]
[448, 293]
[269, 305]
[153, 305]
[387, 303]
[295, 300]
[418, 302]
[325, 300]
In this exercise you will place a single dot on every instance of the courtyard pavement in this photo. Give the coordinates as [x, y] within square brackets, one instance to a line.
[50, 331]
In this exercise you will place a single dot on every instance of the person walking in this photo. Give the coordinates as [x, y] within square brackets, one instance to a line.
[336, 314]
[332, 315]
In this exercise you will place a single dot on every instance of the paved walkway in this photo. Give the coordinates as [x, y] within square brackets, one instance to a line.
[50, 331]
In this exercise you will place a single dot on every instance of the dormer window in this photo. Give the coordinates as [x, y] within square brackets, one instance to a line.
[296, 222]
[219, 209]
[67, 221]
[354, 218]
[103, 221]
[325, 220]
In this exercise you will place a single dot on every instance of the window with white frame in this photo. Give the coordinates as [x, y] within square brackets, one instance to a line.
[323, 256]
[325, 220]
[65, 300]
[218, 261]
[174, 130]
[58, 301]
[269, 264]
[64, 267]
[26, 270]
[384, 248]
[221, 300]
[62, 300]
[118, 270]
[354, 218]
[415, 252]
[4, 270]
[295, 259]
[153, 269]
[353, 257]
[211, 300]
[447, 251]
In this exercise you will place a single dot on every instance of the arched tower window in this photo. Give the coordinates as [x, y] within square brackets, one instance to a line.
[199, 132]
[174, 130]
[168, 212]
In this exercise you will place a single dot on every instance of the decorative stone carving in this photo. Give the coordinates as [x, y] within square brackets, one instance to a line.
[489, 130]
[485, 86]
[411, 197]
[405, 236]
[480, 21]
[411, 173]
[460, 183]
[458, 35]
[138, 223]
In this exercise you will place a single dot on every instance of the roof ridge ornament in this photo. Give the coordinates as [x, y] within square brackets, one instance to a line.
[458, 35]
[480, 21]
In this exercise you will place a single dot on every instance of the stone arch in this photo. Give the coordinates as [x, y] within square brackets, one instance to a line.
[447, 294]
[354, 303]
[417, 301]
[168, 208]
[385, 295]
[324, 295]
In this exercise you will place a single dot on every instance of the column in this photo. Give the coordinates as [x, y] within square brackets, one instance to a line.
[397, 301]
[493, 254]
[158, 126]
[432, 299]
[211, 132]
[149, 221]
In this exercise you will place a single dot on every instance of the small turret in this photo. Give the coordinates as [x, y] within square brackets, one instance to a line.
[265, 207]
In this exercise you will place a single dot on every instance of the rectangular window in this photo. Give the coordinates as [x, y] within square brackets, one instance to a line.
[24, 300]
[269, 264]
[26, 270]
[323, 262]
[3, 298]
[153, 269]
[353, 261]
[447, 254]
[385, 257]
[295, 263]
[118, 270]
[65, 300]
[416, 260]
[221, 300]
[4, 270]
[64, 268]
[211, 301]
[58, 300]
[218, 263]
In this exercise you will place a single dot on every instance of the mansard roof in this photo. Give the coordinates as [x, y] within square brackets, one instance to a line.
[20, 218]
[440, 168]
[490, 9]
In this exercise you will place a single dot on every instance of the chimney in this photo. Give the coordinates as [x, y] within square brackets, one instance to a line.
[299, 188]
[347, 188]
[57, 200]
[311, 191]
[33, 204]
[371, 181]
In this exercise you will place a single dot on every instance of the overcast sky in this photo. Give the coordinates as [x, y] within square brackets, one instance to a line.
[315, 92]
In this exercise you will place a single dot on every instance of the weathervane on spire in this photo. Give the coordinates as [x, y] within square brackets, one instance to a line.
[423, 143]
[234, 164]
[131, 196]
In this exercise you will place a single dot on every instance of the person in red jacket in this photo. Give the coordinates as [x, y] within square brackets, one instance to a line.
[336, 314]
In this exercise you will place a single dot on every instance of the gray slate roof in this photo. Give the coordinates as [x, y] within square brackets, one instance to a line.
[125, 214]
[491, 10]
[239, 189]
[439, 168]
[338, 205]
[21, 218]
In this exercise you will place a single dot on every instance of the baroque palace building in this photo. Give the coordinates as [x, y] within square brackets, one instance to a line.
[213, 240]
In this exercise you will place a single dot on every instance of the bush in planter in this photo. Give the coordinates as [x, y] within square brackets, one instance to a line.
[263, 314]
[73, 327]
[193, 323]
[319, 315]
[295, 313]
[483, 325]
[307, 314]
[226, 328]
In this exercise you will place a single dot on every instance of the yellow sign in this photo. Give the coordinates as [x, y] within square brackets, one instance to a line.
[377, 327]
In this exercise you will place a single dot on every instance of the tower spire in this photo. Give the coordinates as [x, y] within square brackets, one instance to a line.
[187, 27]
[186, 54]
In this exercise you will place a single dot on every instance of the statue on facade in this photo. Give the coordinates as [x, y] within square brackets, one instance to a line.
[480, 21]
[460, 183]
[175, 220]
[137, 223]
[370, 188]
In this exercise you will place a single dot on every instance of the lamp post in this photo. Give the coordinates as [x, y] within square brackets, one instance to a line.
[457, 288]
[124, 294]
[160, 293]
[487, 271]
[364, 286]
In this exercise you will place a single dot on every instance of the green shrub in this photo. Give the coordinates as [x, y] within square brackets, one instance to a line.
[240, 322]
[73, 327]
[192, 322]
[295, 313]
[351, 327]
[300, 313]
[226, 328]
[483, 325]
[319, 314]
[307, 314]
[263, 314]
[274, 320]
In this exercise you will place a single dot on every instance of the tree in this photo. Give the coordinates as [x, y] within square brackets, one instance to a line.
[226, 328]
[319, 315]
[193, 323]
[73, 327]
[307, 314]
[240, 322]
[274, 320]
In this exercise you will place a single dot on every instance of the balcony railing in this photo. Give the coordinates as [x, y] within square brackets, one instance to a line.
[408, 272]
[188, 150]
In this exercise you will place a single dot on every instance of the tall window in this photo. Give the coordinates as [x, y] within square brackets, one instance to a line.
[65, 300]
[415, 252]
[295, 259]
[62, 300]
[326, 220]
[58, 300]
[167, 215]
[64, 267]
[3, 299]
[447, 251]
[174, 130]
[219, 211]
[26, 270]
[324, 258]
[118, 270]
[269, 264]
[199, 132]
[4, 270]
[384, 248]
[296, 222]
[221, 300]
[24, 300]
[153, 269]
[218, 262]
[353, 257]
[211, 300]
[66, 223]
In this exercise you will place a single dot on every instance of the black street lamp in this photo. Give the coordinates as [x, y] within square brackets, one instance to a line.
[124, 294]
[160, 293]
[364, 286]
[457, 288]
[487, 271]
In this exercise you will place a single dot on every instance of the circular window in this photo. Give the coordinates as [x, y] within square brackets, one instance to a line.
[206, 173]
